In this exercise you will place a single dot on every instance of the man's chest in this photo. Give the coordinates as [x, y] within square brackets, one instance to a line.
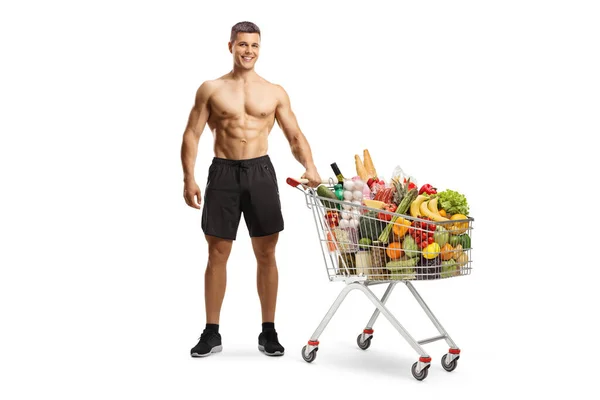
[255, 100]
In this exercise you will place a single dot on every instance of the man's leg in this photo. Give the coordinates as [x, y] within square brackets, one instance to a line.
[215, 277]
[267, 281]
[266, 275]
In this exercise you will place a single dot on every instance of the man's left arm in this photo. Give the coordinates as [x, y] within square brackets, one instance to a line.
[300, 148]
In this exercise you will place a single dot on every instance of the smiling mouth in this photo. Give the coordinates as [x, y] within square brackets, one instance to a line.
[247, 58]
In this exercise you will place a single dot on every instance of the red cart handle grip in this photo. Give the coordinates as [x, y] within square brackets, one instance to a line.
[295, 182]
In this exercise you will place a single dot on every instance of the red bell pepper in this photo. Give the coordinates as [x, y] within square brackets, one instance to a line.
[428, 189]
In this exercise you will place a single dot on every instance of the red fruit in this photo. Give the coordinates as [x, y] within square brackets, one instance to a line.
[411, 231]
[423, 244]
[432, 227]
[430, 240]
[418, 239]
[424, 236]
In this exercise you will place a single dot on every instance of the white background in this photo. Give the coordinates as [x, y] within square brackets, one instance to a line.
[102, 262]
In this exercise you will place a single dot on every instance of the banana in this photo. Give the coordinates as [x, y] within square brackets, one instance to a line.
[432, 206]
[423, 208]
[415, 206]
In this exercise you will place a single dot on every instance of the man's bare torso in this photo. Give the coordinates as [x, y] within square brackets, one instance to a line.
[242, 115]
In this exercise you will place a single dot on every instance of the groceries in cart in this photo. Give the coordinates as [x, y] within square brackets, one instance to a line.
[395, 229]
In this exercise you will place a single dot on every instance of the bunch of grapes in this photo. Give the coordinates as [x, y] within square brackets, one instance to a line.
[422, 232]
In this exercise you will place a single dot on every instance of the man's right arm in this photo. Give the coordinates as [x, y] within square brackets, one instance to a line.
[195, 126]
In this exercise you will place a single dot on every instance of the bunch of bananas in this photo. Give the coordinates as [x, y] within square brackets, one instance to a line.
[423, 206]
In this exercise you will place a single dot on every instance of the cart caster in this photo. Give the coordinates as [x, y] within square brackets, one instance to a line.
[363, 344]
[311, 356]
[451, 366]
[421, 375]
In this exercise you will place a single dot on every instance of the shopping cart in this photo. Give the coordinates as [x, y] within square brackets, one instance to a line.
[355, 254]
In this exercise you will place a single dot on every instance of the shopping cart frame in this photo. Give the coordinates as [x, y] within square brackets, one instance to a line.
[420, 368]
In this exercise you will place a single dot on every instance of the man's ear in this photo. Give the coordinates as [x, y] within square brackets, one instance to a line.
[229, 44]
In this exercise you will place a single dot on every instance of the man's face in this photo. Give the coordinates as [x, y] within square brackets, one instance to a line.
[245, 49]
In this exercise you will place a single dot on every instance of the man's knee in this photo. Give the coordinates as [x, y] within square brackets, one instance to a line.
[218, 251]
[265, 256]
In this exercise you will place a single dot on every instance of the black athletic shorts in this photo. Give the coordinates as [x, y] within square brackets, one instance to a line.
[241, 186]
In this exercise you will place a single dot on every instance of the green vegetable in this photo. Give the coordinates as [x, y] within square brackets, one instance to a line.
[401, 263]
[465, 241]
[454, 240]
[365, 243]
[402, 209]
[323, 191]
[449, 268]
[402, 268]
[410, 247]
[441, 235]
[453, 202]
[405, 203]
[404, 274]
[369, 226]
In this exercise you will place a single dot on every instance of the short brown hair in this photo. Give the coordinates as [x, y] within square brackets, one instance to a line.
[244, 27]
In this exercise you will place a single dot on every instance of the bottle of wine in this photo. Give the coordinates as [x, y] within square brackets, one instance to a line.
[337, 173]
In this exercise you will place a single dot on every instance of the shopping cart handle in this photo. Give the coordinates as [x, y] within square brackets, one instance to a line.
[295, 182]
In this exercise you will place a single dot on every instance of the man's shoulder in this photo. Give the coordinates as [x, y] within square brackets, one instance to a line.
[276, 89]
[208, 88]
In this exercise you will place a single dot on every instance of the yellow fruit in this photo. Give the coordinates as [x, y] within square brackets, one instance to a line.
[442, 212]
[431, 251]
[432, 205]
[425, 211]
[415, 206]
[457, 252]
[459, 227]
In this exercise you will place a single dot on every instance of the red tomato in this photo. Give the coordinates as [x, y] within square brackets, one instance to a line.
[430, 240]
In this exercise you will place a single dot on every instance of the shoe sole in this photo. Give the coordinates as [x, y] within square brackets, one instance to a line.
[277, 353]
[215, 349]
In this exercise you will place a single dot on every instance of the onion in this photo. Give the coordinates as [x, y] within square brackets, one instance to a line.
[349, 185]
[358, 184]
[344, 223]
[357, 195]
[348, 195]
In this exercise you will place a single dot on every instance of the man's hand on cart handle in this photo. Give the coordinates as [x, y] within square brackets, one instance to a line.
[312, 176]
[293, 182]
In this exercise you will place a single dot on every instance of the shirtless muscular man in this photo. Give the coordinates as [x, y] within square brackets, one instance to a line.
[241, 108]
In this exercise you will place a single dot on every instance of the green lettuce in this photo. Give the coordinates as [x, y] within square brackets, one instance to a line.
[453, 202]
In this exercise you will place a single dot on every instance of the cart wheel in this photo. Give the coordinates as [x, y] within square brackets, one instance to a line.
[449, 367]
[311, 357]
[363, 345]
[422, 375]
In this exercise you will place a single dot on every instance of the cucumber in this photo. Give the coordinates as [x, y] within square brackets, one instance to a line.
[322, 191]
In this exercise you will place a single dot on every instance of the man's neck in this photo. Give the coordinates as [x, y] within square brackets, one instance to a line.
[241, 74]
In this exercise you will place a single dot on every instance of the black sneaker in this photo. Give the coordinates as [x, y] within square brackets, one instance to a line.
[210, 342]
[268, 343]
